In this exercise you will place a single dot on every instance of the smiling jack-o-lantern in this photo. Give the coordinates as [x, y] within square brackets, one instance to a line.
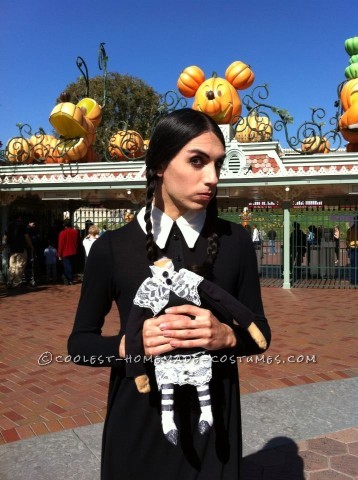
[216, 96]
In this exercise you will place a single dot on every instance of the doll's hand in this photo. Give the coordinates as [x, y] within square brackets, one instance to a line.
[204, 331]
[122, 347]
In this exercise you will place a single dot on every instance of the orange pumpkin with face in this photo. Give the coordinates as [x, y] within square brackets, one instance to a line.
[216, 96]
[348, 123]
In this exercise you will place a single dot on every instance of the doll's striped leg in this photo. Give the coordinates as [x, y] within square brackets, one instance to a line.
[169, 428]
[206, 417]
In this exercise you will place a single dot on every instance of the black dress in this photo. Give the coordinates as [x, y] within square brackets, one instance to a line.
[134, 446]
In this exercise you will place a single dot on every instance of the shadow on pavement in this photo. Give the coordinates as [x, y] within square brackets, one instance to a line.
[278, 460]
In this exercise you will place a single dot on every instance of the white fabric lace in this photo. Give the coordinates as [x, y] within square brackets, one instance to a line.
[192, 369]
[154, 291]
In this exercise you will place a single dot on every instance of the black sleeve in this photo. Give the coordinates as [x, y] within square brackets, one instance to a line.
[249, 294]
[134, 342]
[86, 345]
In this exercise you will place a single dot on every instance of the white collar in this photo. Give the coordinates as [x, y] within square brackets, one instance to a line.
[190, 225]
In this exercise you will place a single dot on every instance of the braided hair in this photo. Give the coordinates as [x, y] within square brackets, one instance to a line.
[171, 134]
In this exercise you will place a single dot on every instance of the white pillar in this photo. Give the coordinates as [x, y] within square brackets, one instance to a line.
[286, 245]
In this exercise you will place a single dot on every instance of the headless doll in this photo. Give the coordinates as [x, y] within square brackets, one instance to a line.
[181, 367]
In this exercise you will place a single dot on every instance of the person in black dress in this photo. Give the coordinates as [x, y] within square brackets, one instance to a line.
[179, 221]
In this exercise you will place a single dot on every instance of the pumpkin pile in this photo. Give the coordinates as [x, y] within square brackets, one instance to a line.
[216, 96]
[76, 126]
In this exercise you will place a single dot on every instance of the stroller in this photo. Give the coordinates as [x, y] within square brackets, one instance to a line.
[32, 270]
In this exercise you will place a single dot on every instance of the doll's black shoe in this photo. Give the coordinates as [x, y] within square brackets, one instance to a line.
[203, 427]
[172, 436]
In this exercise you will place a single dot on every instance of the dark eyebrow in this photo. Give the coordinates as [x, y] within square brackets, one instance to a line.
[201, 152]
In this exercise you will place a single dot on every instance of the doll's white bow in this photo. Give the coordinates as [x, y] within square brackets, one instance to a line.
[154, 291]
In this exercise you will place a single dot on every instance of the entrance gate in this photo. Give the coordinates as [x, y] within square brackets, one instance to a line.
[320, 260]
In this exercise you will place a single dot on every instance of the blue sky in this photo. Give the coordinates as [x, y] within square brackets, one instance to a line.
[296, 47]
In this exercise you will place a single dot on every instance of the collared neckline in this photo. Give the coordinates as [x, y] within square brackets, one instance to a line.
[190, 225]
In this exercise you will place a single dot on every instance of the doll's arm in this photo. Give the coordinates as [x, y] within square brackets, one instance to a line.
[135, 366]
[221, 299]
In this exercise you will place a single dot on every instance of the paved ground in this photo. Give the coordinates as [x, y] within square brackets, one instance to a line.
[297, 399]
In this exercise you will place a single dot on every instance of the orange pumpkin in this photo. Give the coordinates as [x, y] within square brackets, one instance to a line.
[348, 124]
[315, 145]
[349, 93]
[190, 80]
[253, 129]
[124, 144]
[72, 150]
[44, 147]
[91, 109]
[240, 75]
[18, 150]
[69, 121]
[218, 98]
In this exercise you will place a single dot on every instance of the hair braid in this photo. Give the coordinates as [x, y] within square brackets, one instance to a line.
[206, 269]
[152, 250]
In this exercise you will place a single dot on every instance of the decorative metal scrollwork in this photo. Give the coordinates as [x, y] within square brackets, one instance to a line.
[121, 143]
[312, 136]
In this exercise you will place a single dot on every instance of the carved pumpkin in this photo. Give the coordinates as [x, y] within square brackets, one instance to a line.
[18, 150]
[91, 109]
[69, 121]
[190, 80]
[315, 145]
[218, 98]
[349, 93]
[240, 75]
[124, 144]
[253, 129]
[351, 46]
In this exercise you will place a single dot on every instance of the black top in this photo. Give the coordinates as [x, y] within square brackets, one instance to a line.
[133, 443]
[16, 237]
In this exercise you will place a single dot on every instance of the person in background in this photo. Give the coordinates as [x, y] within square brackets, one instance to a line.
[103, 231]
[50, 254]
[298, 247]
[180, 221]
[93, 234]
[256, 236]
[272, 237]
[336, 237]
[68, 241]
[352, 248]
[18, 241]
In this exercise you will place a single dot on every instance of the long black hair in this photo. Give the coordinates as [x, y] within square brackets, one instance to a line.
[171, 134]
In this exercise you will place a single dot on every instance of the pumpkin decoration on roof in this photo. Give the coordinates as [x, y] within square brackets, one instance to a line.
[76, 126]
[216, 96]
[348, 122]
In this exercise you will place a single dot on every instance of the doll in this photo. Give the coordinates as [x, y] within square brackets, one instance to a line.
[170, 288]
